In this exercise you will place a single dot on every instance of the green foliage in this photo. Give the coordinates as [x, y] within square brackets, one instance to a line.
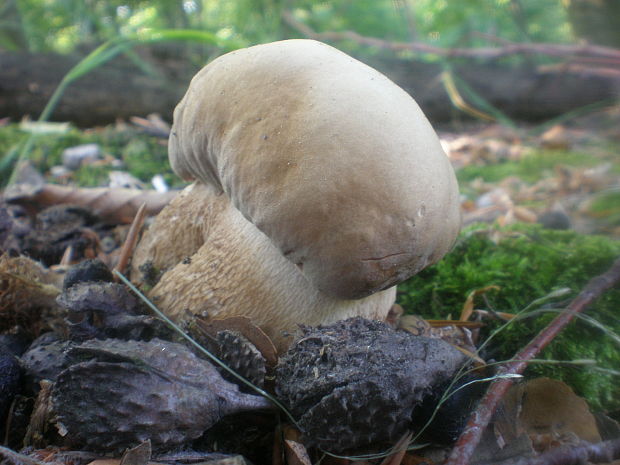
[63, 25]
[523, 21]
[528, 263]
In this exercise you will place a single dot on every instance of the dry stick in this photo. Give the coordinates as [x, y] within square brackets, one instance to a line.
[470, 437]
[131, 239]
[602, 452]
[511, 48]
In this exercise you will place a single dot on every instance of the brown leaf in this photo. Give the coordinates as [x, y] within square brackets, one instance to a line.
[113, 205]
[550, 410]
[468, 306]
[414, 324]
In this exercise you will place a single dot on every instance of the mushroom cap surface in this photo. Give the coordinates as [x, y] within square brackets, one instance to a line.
[335, 163]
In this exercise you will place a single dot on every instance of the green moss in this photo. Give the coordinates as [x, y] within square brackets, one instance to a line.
[92, 175]
[146, 157]
[530, 168]
[527, 263]
[142, 155]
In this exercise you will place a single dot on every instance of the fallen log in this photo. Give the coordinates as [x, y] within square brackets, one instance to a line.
[120, 90]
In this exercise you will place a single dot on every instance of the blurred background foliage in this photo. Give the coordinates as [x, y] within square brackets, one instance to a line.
[72, 25]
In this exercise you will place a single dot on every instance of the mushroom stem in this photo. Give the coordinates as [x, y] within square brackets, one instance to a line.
[237, 271]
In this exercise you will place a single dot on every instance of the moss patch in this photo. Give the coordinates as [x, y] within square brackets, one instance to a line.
[530, 168]
[527, 263]
[142, 155]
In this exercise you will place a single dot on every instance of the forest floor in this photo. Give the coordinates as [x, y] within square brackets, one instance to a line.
[557, 182]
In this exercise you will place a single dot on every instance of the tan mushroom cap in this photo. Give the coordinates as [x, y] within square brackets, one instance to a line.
[335, 163]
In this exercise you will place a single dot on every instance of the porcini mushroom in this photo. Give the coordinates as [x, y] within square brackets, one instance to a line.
[319, 186]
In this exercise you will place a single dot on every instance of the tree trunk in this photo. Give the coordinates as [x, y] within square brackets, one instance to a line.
[119, 90]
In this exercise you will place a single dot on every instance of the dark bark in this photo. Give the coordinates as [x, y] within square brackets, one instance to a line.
[119, 90]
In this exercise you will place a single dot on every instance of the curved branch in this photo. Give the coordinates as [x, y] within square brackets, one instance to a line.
[509, 48]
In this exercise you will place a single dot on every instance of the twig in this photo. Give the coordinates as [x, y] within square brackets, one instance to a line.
[469, 439]
[131, 240]
[602, 452]
[510, 48]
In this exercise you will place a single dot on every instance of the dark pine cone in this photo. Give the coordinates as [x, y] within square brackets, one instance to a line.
[106, 310]
[356, 383]
[125, 392]
[44, 361]
[242, 356]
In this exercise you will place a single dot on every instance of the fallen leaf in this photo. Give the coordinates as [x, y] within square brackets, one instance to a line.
[468, 306]
[550, 408]
[113, 205]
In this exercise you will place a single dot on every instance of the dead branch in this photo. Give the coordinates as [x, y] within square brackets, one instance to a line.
[509, 48]
[470, 437]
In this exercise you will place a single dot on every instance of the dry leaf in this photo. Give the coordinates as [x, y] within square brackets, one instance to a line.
[468, 306]
[550, 408]
[113, 205]
[414, 324]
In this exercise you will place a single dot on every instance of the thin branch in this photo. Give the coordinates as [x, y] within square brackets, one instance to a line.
[469, 439]
[510, 48]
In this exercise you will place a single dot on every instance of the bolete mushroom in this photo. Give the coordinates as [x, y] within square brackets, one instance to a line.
[319, 186]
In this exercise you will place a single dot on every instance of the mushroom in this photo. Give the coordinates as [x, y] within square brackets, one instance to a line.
[319, 186]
